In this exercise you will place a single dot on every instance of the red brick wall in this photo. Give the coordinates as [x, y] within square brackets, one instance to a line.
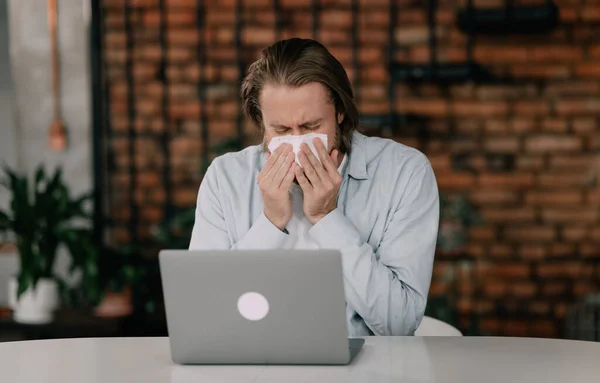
[536, 252]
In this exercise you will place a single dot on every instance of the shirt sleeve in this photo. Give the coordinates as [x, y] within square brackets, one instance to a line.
[388, 287]
[210, 229]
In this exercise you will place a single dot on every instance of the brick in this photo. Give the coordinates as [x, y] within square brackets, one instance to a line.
[571, 161]
[529, 162]
[560, 310]
[552, 143]
[295, 3]
[468, 126]
[593, 197]
[413, 34]
[438, 288]
[496, 54]
[561, 180]
[258, 36]
[501, 251]
[532, 252]
[540, 71]
[590, 249]
[489, 326]
[530, 233]
[189, 37]
[372, 74]
[570, 269]
[553, 289]
[219, 18]
[504, 270]
[152, 214]
[584, 288]
[475, 250]
[374, 18]
[368, 107]
[584, 125]
[531, 108]
[184, 197]
[512, 215]
[455, 180]
[516, 328]
[554, 126]
[544, 328]
[588, 70]
[523, 125]
[372, 37]
[482, 233]
[524, 290]
[556, 53]
[502, 144]
[505, 92]
[562, 250]
[574, 233]
[493, 196]
[590, 13]
[584, 106]
[480, 108]
[422, 54]
[371, 55]
[570, 215]
[516, 180]
[494, 289]
[440, 162]
[336, 18]
[568, 14]
[554, 198]
[464, 305]
[425, 107]
[572, 88]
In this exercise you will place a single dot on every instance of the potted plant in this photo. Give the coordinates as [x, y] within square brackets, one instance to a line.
[456, 216]
[120, 270]
[42, 216]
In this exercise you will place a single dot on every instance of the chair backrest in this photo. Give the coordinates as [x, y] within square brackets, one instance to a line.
[435, 327]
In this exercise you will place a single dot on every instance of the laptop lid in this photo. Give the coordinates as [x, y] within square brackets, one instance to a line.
[255, 307]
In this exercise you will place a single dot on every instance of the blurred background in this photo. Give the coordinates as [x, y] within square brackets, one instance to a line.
[503, 96]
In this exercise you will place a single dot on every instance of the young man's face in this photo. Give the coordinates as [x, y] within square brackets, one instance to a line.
[295, 111]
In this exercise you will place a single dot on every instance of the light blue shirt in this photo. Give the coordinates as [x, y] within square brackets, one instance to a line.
[385, 225]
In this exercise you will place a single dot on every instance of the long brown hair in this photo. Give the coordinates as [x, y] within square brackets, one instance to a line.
[296, 62]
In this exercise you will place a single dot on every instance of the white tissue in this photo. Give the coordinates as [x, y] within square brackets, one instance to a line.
[296, 142]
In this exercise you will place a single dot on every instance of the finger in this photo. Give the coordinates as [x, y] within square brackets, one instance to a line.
[325, 157]
[314, 161]
[283, 170]
[308, 169]
[273, 157]
[277, 160]
[302, 180]
[289, 177]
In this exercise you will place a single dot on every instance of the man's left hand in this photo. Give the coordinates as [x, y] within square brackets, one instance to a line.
[320, 181]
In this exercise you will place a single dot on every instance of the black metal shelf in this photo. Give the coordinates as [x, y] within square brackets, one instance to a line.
[534, 19]
[442, 73]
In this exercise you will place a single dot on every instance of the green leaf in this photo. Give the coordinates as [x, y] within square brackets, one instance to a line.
[5, 223]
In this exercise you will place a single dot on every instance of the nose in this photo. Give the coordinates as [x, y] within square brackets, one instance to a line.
[297, 131]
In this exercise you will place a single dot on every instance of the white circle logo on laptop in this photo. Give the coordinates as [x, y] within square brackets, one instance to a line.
[253, 306]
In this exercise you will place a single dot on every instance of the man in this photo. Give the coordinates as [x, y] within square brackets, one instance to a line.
[373, 199]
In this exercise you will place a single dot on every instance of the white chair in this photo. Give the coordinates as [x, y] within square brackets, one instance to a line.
[435, 327]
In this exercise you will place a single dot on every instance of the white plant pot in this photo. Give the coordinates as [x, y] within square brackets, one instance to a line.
[34, 306]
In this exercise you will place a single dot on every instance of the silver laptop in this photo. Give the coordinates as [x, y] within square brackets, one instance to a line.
[256, 307]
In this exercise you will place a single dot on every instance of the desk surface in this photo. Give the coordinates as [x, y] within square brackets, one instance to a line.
[383, 359]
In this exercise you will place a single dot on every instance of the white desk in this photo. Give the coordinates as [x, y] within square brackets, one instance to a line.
[385, 359]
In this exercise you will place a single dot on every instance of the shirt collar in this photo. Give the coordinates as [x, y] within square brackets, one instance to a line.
[357, 163]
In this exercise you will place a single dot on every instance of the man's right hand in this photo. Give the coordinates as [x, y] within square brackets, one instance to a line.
[275, 180]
